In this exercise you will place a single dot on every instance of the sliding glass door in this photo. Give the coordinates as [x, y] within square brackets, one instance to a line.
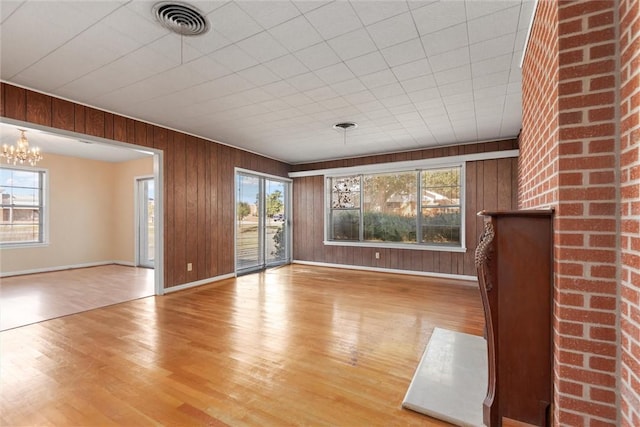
[262, 226]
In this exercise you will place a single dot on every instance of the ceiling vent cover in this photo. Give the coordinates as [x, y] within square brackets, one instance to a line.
[181, 18]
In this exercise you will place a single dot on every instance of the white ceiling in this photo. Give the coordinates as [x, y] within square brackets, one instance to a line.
[273, 77]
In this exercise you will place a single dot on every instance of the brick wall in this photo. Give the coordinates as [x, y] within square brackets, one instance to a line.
[538, 176]
[579, 155]
[586, 307]
[629, 34]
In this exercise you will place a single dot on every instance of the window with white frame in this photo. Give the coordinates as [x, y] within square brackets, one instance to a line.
[21, 206]
[417, 208]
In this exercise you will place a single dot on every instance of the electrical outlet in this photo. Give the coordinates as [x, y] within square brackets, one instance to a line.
[189, 266]
[377, 255]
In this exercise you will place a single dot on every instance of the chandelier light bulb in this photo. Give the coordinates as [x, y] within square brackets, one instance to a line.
[21, 153]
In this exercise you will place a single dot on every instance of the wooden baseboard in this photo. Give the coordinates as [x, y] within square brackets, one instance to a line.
[470, 280]
[65, 267]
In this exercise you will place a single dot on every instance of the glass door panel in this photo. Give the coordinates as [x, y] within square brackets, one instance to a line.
[276, 235]
[249, 221]
[146, 210]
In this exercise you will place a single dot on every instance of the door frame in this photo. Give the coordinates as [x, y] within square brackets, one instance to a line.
[287, 214]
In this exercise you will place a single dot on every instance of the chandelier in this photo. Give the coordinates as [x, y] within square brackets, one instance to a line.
[21, 153]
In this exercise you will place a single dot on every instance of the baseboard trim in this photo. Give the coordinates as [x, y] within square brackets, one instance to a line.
[198, 283]
[65, 267]
[125, 263]
[461, 277]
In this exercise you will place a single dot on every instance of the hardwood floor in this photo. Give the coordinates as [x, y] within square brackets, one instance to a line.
[297, 345]
[33, 298]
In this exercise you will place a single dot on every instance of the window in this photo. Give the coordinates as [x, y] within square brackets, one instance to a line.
[417, 208]
[440, 215]
[345, 208]
[22, 206]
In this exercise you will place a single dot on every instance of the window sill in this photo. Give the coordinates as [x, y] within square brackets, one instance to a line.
[381, 245]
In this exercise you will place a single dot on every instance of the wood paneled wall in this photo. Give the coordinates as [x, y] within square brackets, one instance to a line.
[490, 184]
[198, 191]
[198, 178]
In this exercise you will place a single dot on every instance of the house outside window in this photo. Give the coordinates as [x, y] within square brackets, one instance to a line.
[414, 209]
[21, 206]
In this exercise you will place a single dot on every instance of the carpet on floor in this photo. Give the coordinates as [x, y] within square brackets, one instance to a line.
[450, 382]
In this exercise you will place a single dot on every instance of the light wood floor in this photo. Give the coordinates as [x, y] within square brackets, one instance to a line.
[33, 298]
[297, 345]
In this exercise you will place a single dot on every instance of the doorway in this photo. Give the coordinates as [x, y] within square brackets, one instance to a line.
[128, 164]
[262, 221]
[145, 221]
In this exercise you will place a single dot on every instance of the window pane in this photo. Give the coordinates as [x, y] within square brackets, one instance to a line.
[5, 177]
[345, 192]
[380, 227]
[20, 225]
[345, 224]
[25, 197]
[441, 187]
[390, 207]
[25, 179]
[19, 233]
[441, 219]
[441, 225]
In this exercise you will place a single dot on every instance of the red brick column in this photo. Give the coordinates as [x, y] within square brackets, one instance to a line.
[570, 160]
[629, 34]
[586, 310]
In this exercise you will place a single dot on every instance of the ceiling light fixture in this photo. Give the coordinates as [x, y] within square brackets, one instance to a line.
[344, 127]
[21, 153]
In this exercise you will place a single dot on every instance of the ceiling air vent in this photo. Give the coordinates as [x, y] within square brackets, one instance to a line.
[181, 18]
